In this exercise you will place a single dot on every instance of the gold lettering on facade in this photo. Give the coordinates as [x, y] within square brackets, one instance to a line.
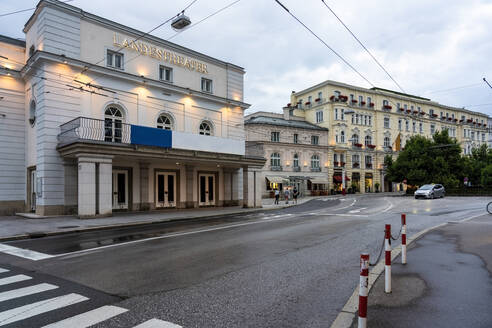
[161, 54]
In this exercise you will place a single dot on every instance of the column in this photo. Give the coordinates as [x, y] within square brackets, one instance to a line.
[235, 187]
[145, 199]
[86, 187]
[191, 187]
[227, 187]
[251, 187]
[105, 187]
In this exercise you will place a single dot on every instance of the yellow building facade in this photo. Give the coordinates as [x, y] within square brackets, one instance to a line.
[367, 124]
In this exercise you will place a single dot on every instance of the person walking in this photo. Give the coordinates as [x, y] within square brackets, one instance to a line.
[295, 194]
[287, 194]
[277, 196]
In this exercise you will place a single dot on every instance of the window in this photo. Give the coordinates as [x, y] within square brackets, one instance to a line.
[386, 122]
[472, 136]
[164, 122]
[335, 158]
[385, 102]
[320, 96]
[315, 162]
[369, 101]
[368, 161]
[431, 112]
[342, 136]
[319, 116]
[405, 106]
[414, 127]
[411, 107]
[353, 119]
[351, 98]
[342, 112]
[296, 160]
[483, 137]
[361, 99]
[165, 73]
[342, 160]
[399, 124]
[275, 160]
[336, 113]
[398, 105]
[368, 140]
[275, 136]
[296, 138]
[206, 129]
[407, 126]
[314, 140]
[370, 120]
[32, 112]
[433, 129]
[355, 139]
[114, 59]
[310, 99]
[207, 85]
[387, 142]
[113, 124]
[355, 159]
[421, 127]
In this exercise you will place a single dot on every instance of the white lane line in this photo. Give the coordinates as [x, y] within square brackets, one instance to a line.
[89, 318]
[33, 309]
[20, 292]
[3, 270]
[12, 279]
[25, 253]
[341, 208]
[358, 210]
[156, 323]
[388, 208]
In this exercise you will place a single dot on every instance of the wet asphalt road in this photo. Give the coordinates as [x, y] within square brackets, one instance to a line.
[294, 267]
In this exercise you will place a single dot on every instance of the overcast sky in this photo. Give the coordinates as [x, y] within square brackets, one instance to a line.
[429, 46]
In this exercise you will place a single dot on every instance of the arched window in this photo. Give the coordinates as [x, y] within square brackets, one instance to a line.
[206, 129]
[113, 124]
[368, 140]
[355, 139]
[315, 162]
[275, 160]
[387, 142]
[296, 160]
[164, 122]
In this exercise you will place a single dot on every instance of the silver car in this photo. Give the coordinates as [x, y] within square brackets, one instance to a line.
[430, 191]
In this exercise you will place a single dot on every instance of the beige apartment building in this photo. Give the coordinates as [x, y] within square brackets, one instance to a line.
[364, 125]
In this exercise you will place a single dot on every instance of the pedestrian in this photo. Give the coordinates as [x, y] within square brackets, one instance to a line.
[277, 195]
[286, 194]
[295, 194]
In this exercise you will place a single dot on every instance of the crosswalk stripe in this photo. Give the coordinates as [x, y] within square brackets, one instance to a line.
[89, 318]
[15, 293]
[12, 279]
[33, 309]
[156, 323]
[25, 253]
[3, 270]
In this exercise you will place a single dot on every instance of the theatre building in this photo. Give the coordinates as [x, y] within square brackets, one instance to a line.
[97, 117]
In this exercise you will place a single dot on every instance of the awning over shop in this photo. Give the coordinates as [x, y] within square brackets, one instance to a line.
[277, 179]
[319, 180]
[338, 178]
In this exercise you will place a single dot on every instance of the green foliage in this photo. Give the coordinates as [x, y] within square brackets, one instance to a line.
[486, 176]
[436, 160]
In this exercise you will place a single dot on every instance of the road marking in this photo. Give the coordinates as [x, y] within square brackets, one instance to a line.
[341, 208]
[89, 318]
[358, 210]
[25, 253]
[156, 323]
[3, 270]
[20, 292]
[388, 208]
[33, 309]
[12, 279]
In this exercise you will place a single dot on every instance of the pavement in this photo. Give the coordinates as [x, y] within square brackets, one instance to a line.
[447, 281]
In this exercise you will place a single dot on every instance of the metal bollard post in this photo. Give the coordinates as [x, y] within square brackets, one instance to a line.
[403, 238]
[387, 251]
[363, 289]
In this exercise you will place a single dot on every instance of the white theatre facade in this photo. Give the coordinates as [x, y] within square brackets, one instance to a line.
[93, 122]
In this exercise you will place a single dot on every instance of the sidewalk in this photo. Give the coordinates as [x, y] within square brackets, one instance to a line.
[17, 227]
[446, 283]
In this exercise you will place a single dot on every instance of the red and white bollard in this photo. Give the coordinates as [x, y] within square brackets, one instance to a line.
[387, 253]
[403, 238]
[363, 289]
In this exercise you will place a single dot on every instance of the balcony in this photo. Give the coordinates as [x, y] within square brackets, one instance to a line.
[355, 165]
[315, 169]
[113, 132]
[276, 168]
[296, 168]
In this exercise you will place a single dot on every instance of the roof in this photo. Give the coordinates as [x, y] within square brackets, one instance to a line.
[16, 42]
[283, 122]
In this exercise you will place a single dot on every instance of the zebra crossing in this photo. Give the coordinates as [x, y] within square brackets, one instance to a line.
[16, 307]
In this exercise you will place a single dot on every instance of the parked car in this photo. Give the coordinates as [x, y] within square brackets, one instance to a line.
[430, 191]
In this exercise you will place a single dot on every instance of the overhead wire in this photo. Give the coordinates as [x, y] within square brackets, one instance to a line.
[363, 46]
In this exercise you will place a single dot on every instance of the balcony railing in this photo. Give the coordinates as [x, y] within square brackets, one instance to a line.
[315, 169]
[276, 168]
[83, 128]
[296, 169]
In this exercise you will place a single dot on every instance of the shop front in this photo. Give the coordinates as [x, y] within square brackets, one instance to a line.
[369, 182]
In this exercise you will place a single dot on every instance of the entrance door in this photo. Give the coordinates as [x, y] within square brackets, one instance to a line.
[165, 189]
[120, 189]
[207, 189]
[32, 190]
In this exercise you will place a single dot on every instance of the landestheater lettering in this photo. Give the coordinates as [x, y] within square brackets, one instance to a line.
[161, 54]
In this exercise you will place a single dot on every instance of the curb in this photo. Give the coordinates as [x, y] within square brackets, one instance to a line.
[41, 234]
[349, 311]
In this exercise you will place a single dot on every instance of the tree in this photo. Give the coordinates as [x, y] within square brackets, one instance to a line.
[475, 163]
